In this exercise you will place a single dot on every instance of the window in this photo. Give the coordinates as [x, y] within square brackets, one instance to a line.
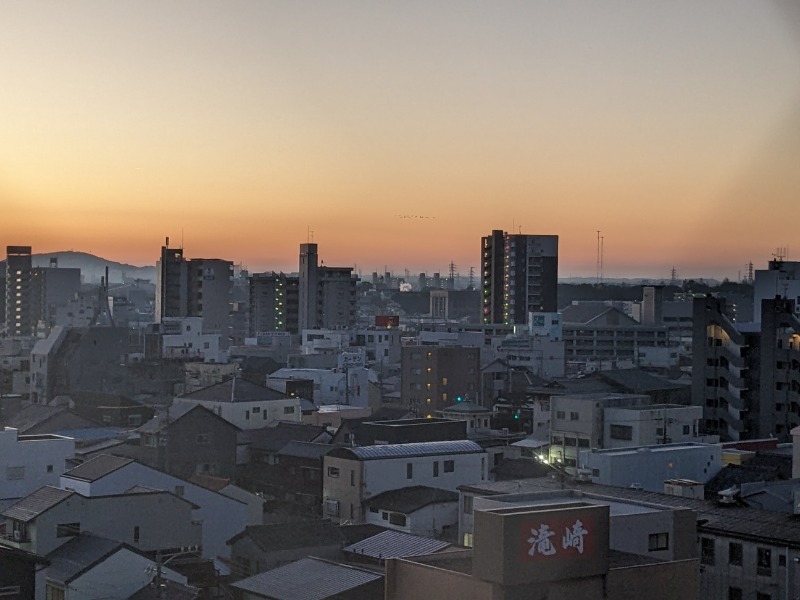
[658, 541]
[333, 471]
[203, 439]
[686, 430]
[573, 416]
[707, 551]
[436, 468]
[136, 534]
[409, 470]
[621, 432]
[49, 468]
[352, 477]
[256, 409]
[68, 529]
[764, 561]
[734, 593]
[288, 410]
[397, 519]
[763, 596]
[735, 554]
[583, 443]
[560, 414]
[449, 466]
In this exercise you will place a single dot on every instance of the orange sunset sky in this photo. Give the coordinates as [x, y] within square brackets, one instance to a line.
[672, 127]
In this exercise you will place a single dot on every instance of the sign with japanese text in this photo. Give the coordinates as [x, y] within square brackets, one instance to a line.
[562, 537]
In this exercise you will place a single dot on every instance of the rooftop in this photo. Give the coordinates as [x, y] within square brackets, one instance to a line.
[235, 390]
[409, 499]
[396, 544]
[307, 579]
[36, 503]
[382, 451]
[97, 467]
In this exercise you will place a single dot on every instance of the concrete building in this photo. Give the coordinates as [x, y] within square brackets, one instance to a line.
[577, 422]
[781, 278]
[185, 339]
[433, 377]
[519, 276]
[327, 295]
[28, 462]
[199, 287]
[560, 545]
[349, 387]
[52, 287]
[648, 467]
[273, 303]
[19, 308]
[745, 376]
[599, 336]
[650, 425]
[351, 476]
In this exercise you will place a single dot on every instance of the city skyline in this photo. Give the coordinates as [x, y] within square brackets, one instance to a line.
[400, 136]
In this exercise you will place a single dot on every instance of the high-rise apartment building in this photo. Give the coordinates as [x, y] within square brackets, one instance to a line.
[327, 295]
[747, 376]
[19, 316]
[274, 302]
[198, 287]
[435, 377]
[519, 275]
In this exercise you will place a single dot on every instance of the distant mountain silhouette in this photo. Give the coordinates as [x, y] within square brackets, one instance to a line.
[92, 267]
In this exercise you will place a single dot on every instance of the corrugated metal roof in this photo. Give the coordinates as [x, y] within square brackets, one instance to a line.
[415, 449]
[36, 503]
[396, 544]
[305, 449]
[307, 579]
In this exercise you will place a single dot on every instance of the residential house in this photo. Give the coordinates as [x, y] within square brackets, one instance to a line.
[417, 510]
[221, 517]
[351, 476]
[28, 462]
[243, 403]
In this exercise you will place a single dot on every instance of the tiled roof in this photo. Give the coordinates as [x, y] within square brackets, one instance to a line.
[98, 467]
[235, 390]
[305, 449]
[277, 434]
[36, 503]
[408, 450]
[77, 555]
[584, 314]
[409, 499]
[638, 380]
[307, 579]
[291, 535]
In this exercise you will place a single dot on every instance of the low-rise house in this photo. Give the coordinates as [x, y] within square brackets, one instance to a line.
[258, 549]
[190, 440]
[243, 403]
[91, 567]
[149, 520]
[221, 517]
[353, 475]
[418, 510]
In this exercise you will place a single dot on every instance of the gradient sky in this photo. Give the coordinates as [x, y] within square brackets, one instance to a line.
[672, 127]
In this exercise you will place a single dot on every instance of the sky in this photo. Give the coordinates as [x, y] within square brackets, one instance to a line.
[396, 134]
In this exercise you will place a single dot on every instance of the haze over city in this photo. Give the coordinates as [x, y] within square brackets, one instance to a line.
[401, 133]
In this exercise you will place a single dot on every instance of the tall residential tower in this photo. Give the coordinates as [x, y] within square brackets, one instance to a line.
[519, 276]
